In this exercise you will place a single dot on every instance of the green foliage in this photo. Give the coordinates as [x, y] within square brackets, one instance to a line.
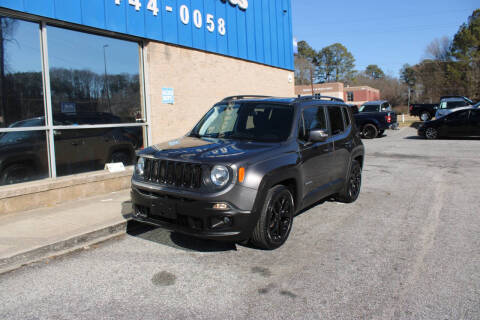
[335, 63]
[453, 70]
[374, 72]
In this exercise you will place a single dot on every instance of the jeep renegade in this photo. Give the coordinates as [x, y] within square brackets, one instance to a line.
[248, 167]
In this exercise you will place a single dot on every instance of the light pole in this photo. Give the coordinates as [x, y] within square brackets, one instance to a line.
[106, 77]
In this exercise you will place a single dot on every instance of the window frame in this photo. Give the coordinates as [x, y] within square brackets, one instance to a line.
[49, 127]
[302, 118]
[330, 122]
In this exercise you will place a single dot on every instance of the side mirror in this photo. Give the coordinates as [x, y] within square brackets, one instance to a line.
[318, 135]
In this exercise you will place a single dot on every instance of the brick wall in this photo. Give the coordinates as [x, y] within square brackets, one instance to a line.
[199, 80]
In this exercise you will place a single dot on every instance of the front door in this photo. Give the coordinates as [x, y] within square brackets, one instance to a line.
[474, 123]
[317, 157]
[456, 124]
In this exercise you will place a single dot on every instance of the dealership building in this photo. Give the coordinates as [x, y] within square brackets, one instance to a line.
[88, 82]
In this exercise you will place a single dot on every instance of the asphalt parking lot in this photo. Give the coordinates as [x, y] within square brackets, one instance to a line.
[409, 248]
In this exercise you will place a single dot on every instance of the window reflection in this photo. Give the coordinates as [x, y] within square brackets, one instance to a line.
[23, 156]
[21, 87]
[94, 74]
[85, 150]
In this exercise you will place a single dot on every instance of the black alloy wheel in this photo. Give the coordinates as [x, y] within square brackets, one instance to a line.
[276, 218]
[431, 133]
[353, 185]
[369, 131]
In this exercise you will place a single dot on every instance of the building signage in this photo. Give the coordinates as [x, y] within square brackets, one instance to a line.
[168, 96]
[259, 30]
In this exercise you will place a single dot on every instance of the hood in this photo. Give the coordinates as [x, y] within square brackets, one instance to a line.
[207, 150]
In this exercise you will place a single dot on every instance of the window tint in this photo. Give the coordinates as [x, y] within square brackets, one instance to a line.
[369, 108]
[21, 87]
[248, 121]
[386, 107]
[456, 104]
[460, 115]
[336, 120]
[346, 116]
[314, 119]
[94, 79]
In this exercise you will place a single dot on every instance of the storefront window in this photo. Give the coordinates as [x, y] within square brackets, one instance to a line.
[21, 87]
[96, 94]
[23, 156]
[94, 75]
[85, 150]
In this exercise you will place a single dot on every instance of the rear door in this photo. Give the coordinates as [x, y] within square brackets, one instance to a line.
[317, 157]
[342, 142]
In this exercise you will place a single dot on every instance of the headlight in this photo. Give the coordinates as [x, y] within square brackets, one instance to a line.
[219, 175]
[139, 167]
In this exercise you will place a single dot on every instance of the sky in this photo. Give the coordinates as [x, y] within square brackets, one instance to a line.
[388, 33]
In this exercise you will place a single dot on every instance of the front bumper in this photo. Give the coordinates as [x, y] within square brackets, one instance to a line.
[191, 216]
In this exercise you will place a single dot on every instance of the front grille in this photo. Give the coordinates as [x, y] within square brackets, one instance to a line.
[173, 173]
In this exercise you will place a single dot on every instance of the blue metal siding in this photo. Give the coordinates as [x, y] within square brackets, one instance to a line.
[261, 33]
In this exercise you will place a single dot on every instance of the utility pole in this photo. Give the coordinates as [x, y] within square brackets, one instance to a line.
[311, 80]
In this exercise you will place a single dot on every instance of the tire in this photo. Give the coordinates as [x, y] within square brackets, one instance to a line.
[425, 116]
[431, 133]
[369, 131]
[16, 173]
[276, 218]
[352, 187]
[121, 156]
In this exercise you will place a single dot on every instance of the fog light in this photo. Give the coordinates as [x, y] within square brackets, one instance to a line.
[221, 206]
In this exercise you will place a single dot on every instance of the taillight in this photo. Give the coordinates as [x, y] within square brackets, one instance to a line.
[411, 107]
[388, 117]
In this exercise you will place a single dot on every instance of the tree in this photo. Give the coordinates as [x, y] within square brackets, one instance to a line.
[335, 63]
[374, 72]
[439, 49]
[466, 51]
[304, 64]
[407, 75]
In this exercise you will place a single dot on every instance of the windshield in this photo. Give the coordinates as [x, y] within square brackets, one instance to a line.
[248, 121]
[368, 108]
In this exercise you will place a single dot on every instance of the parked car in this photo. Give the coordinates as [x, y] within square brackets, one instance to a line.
[248, 167]
[449, 104]
[425, 111]
[461, 123]
[24, 156]
[374, 117]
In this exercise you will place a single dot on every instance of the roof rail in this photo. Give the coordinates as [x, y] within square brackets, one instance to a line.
[319, 97]
[247, 96]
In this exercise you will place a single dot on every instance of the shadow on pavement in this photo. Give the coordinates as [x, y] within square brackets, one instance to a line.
[175, 239]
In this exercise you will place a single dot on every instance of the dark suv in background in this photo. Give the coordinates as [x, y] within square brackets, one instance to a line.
[248, 167]
[23, 154]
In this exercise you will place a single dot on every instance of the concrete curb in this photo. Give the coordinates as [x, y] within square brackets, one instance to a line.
[62, 247]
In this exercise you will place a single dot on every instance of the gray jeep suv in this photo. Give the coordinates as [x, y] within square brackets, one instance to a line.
[248, 167]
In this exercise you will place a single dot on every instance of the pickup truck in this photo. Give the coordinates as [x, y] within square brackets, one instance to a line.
[425, 111]
[374, 117]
